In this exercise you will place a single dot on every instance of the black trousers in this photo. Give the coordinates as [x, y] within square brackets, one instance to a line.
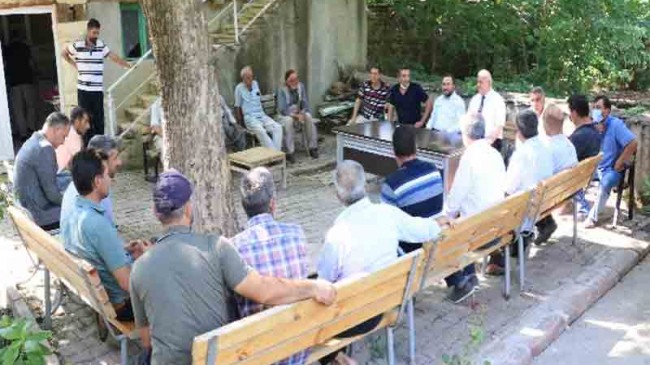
[360, 329]
[93, 102]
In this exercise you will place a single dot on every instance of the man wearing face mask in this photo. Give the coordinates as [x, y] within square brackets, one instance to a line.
[618, 147]
[87, 56]
[448, 108]
[406, 99]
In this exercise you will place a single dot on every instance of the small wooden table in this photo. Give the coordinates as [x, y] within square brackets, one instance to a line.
[249, 159]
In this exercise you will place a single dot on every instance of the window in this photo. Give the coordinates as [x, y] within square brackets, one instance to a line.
[135, 40]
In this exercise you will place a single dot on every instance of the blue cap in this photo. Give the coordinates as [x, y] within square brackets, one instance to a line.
[171, 192]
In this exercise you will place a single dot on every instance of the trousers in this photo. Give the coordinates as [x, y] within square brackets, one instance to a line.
[93, 102]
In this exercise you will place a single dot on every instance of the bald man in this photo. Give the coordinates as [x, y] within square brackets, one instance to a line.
[491, 106]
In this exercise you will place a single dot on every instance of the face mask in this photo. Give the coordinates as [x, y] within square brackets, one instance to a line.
[597, 115]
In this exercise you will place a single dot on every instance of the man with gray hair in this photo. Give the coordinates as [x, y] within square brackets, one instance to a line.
[491, 106]
[268, 246]
[249, 110]
[35, 172]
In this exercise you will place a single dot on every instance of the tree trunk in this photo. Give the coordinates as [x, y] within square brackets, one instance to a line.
[193, 140]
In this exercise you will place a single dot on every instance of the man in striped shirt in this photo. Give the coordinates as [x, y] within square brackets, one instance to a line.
[87, 56]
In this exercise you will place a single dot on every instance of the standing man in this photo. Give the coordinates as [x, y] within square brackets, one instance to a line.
[249, 111]
[407, 98]
[293, 107]
[537, 99]
[492, 108]
[20, 79]
[370, 105]
[448, 109]
[87, 56]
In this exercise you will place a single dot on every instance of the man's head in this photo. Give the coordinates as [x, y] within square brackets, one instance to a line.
[80, 120]
[172, 199]
[56, 128]
[291, 78]
[553, 120]
[350, 182]
[375, 74]
[92, 30]
[258, 192]
[448, 86]
[404, 144]
[473, 128]
[110, 147]
[604, 105]
[484, 82]
[578, 108]
[90, 174]
[404, 76]
[247, 75]
[527, 125]
[537, 100]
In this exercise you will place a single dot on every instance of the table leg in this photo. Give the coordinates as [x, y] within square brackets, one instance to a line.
[339, 148]
[284, 174]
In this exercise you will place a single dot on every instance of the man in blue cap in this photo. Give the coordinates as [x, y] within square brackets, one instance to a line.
[182, 286]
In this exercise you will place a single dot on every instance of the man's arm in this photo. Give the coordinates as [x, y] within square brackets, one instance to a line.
[459, 189]
[122, 276]
[626, 155]
[117, 59]
[239, 116]
[274, 291]
[414, 229]
[428, 106]
[499, 121]
[355, 111]
[68, 57]
[140, 316]
[46, 168]
[390, 108]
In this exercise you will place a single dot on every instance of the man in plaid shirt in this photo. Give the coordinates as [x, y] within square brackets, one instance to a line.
[270, 247]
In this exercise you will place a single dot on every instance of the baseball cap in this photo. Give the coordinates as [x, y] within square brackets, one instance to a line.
[171, 192]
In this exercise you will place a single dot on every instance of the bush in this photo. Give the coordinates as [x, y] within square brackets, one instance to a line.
[19, 344]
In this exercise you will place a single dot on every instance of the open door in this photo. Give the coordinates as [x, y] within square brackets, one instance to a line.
[65, 34]
[6, 141]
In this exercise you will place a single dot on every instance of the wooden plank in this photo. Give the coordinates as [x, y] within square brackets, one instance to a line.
[256, 156]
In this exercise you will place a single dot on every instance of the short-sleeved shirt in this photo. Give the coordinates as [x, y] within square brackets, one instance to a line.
[89, 235]
[563, 152]
[90, 64]
[493, 109]
[586, 139]
[183, 287]
[409, 104]
[250, 101]
[616, 137]
[69, 201]
[373, 101]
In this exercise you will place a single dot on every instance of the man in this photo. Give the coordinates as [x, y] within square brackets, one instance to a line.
[618, 147]
[269, 247]
[35, 179]
[416, 187]
[249, 110]
[89, 235]
[74, 141]
[365, 236]
[20, 81]
[109, 147]
[87, 56]
[370, 104]
[478, 185]
[448, 108]
[182, 286]
[492, 108]
[406, 99]
[537, 99]
[293, 107]
[564, 157]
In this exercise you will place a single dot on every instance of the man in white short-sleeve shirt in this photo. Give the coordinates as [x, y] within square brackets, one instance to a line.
[492, 108]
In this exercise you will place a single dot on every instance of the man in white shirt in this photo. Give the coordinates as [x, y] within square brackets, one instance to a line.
[491, 106]
[448, 108]
[478, 184]
[537, 99]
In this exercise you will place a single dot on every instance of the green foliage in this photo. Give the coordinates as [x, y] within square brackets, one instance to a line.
[645, 195]
[20, 345]
[476, 331]
[5, 198]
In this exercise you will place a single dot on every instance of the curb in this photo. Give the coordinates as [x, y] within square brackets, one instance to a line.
[543, 324]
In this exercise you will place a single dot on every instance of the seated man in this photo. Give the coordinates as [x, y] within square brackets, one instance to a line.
[249, 110]
[73, 143]
[405, 99]
[270, 247]
[293, 107]
[564, 157]
[618, 146]
[35, 179]
[479, 183]
[109, 146]
[365, 236]
[89, 235]
[182, 287]
[234, 134]
[448, 108]
[370, 104]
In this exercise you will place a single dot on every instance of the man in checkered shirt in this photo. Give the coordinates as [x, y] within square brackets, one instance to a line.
[270, 247]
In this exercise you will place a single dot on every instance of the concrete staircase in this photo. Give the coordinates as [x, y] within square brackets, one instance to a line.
[247, 18]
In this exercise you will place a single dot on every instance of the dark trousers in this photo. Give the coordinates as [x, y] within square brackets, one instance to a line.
[408, 247]
[51, 226]
[93, 102]
[460, 277]
[125, 313]
[498, 144]
[544, 222]
[357, 330]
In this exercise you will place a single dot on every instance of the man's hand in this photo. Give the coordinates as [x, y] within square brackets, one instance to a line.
[443, 222]
[419, 124]
[324, 292]
[137, 248]
[350, 122]
[619, 165]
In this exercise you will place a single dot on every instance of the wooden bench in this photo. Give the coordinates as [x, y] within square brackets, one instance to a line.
[279, 332]
[77, 275]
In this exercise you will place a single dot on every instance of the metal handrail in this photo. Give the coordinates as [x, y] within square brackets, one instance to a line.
[130, 70]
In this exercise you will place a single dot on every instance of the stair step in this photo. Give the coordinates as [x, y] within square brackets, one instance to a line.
[147, 100]
[134, 112]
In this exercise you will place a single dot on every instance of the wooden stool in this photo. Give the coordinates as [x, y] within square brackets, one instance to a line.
[249, 159]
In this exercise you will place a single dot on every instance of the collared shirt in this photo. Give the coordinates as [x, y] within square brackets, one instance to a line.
[89, 235]
[68, 149]
[586, 139]
[90, 64]
[541, 131]
[409, 104]
[447, 111]
[479, 182]
[563, 152]
[416, 188]
[250, 101]
[493, 110]
[616, 137]
[373, 101]
[69, 200]
[530, 163]
[273, 249]
[365, 236]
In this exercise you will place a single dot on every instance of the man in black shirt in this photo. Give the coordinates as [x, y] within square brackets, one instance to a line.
[407, 98]
[20, 79]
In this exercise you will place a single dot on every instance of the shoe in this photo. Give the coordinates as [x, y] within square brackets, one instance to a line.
[589, 224]
[291, 158]
[313, 153]
[495, 270]
[546, 233]
[151, 179]
[462, 292]
[514, 249]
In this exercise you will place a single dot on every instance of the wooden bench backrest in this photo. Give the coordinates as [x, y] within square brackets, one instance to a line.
[279, 332]
[77, 275]
[269, 104]
[555, 190]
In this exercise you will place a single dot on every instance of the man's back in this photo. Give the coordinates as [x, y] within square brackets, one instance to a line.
[531, 163]
[563, 152]
[615, 138]
[586, 139]
[416, 188]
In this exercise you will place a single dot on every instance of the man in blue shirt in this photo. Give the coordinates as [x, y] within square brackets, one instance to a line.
[618, 147]
[406, 98]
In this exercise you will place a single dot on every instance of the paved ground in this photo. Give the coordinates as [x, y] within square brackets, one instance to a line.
[614, 331]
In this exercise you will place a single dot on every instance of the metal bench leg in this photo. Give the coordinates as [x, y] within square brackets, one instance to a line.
[506, 292]
[522, 262]
[411, 319]
[630, 183]
[47, 320]
[575, 221]
[390, 343]
[124, 354]
[284, 174]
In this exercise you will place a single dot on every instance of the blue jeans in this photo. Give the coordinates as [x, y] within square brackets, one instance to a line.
[608, 179]
[583, 205]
